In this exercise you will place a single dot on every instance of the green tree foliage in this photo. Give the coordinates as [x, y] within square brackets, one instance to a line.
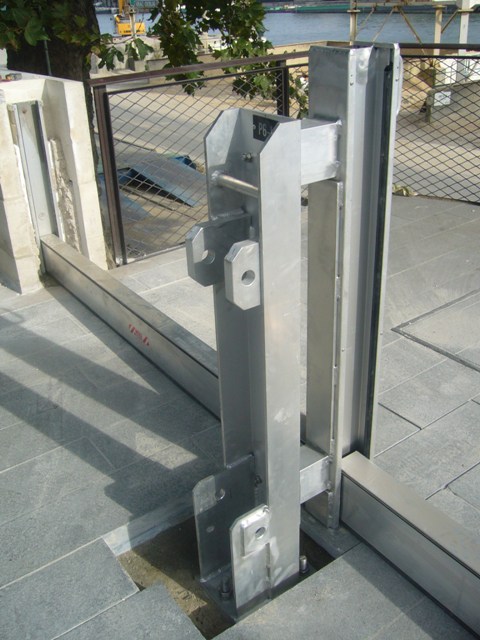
[48, 27]
[58, 37]
[180, 26]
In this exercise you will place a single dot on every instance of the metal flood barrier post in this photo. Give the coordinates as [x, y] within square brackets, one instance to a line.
[248, 515]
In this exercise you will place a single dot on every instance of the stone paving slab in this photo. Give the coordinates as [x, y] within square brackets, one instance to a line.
[452, 330]
[467, 486]
[447, 220]
[417, 251]
[69, 520]
[358, 596]
[409, 297]
[148, 433]
[149, 614]
[458, 508]
[432, 394]
[50, 476]
[18, 342]
[425, 621]
[403, 359]
[436, 456]
[64, 594]
[391, 429]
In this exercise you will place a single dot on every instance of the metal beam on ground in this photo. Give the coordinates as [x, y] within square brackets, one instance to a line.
[177, 352]
[420, 540]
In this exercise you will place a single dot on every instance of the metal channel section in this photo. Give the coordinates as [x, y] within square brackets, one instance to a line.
[28, 131]
[248, 515]
[348, 226]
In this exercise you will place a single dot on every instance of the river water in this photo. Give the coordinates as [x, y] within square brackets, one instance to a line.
[291, 28]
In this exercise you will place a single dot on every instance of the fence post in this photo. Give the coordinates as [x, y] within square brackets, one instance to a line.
[107, 150]
[283, 89]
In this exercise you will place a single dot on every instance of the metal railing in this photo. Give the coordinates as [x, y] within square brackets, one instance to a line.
[151, 129]
[437, 151]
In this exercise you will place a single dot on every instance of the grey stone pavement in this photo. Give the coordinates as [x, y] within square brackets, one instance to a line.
[94, 439]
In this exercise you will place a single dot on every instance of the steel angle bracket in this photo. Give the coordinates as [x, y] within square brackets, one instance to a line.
[219, 501]
[251, 565]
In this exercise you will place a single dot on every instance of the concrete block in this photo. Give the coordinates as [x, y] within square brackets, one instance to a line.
[391, 429]
[5, 243]
[63, 595]
[90, 222]
[149, 614]
[11, 185]
[430, 395]
[436, 456]
[8, 272]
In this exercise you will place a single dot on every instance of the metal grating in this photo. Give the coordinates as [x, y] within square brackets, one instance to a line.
[437, 150]
[157, 142]
[151, 137]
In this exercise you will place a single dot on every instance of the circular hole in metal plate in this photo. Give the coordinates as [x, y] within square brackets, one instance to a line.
[248, 277]
[260, 532]
[208, 256]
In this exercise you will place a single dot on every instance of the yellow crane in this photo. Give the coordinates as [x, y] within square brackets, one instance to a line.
[125, 21]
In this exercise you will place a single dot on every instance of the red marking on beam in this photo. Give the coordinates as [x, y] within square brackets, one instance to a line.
[138, 335]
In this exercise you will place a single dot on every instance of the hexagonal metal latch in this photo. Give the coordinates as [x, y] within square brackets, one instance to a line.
[242, 274]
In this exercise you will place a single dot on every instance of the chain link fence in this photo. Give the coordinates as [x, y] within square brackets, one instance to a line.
[437, 150]
[152, 130]
[156, 141]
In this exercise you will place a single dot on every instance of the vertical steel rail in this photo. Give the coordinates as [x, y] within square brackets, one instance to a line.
[348, 225]
[250, 252]
[107, 150]
[283, 89]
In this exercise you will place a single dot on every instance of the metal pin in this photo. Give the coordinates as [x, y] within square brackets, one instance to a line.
[304, 568]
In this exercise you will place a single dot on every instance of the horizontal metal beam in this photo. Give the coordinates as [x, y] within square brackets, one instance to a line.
[314, 473]
[181, 355]
[431, 549]
[319, 140]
